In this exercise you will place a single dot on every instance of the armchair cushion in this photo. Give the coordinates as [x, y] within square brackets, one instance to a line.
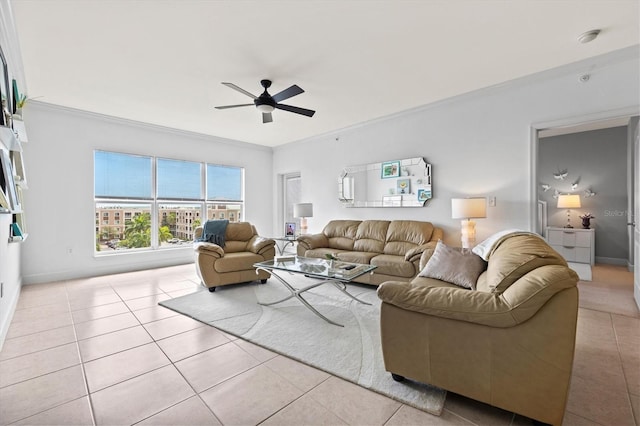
[452, 265]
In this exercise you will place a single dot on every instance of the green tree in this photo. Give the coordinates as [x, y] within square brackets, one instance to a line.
[137, 231]
[195, 224]
[164, 234]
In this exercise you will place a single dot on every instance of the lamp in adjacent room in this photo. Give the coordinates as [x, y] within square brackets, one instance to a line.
[303, 211]
[569, 201]
[467, 209]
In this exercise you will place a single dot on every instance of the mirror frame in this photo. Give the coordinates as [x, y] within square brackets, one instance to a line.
[414, 172]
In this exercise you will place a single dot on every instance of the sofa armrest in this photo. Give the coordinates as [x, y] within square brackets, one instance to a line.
[312, 241]
[415, 253]
[516, 305]
[209, 248]
[259, 245]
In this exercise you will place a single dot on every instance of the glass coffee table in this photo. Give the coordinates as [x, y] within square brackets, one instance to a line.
[334, 272]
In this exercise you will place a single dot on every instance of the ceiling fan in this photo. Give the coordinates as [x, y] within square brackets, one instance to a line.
[266, 103]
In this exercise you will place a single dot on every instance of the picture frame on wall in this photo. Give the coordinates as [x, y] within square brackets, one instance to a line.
[7, 182]
[424, 194]
[390, 169]
[403, 186]
[5, 91]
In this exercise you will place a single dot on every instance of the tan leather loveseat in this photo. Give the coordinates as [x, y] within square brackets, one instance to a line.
[233, 263]
[395, 247]
[509, 343]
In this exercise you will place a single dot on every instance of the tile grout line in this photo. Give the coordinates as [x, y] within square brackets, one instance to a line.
[84, 374]
[624, 373]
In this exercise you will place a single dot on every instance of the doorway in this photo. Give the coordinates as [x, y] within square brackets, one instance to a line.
[539, 211]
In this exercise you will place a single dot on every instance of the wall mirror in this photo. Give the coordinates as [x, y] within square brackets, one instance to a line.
[395, 183]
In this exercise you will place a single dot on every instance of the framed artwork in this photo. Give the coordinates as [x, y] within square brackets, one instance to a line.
[290, 229]
[390, 169]
[7, 183]
[4, 89]
[403, 186]
[424, 194]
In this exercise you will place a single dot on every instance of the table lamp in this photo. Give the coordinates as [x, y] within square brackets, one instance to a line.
[303, 211]
[569, 201]
[467, 209]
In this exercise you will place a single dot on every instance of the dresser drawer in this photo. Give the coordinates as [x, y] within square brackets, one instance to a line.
[575, 245]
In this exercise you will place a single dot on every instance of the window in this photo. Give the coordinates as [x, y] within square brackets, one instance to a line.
[161, 200]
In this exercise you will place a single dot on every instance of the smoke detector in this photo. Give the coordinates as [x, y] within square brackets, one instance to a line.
[588, 36]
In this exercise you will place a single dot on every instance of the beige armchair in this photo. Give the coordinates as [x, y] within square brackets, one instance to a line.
[509, 343]
[233, 263]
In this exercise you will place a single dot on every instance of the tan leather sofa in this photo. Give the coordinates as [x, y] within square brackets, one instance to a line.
[395, 247]
[233, 263]
[509, 343]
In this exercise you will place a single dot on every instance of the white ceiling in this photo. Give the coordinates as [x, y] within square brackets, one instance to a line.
[162, 62]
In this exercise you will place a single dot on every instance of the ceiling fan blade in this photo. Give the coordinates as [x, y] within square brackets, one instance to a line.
[234, 87]
[297, 110]
[287, 93]
[266, 117]
[233, 106]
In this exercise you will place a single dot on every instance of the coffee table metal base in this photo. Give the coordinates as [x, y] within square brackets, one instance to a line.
[297, 293]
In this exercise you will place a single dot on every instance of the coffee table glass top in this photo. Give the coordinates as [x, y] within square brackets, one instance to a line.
[320, 268]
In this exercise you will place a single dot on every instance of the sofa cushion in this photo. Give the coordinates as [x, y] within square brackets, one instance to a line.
[371, 236]
[357, 256]
[388, 264]
[233, 262]
[516, 255]
[452, 265]
[341, 233]
[403, 235]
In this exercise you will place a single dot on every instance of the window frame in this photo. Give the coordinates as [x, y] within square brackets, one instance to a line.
[157, 205]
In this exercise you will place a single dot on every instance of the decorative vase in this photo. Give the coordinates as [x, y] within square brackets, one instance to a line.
[586, 222]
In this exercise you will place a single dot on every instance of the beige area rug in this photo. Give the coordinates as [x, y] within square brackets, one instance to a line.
[352, 352]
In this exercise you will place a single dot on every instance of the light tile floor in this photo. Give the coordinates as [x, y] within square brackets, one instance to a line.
[101, 351]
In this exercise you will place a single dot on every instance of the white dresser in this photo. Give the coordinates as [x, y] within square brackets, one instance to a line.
[574, 244]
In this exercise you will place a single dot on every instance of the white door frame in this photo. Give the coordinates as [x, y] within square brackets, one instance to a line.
[563, 122]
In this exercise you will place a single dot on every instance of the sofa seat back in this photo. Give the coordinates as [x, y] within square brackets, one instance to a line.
[237, 236]
[371, 236]
[512, 258]
[404, 235]
[341, 233]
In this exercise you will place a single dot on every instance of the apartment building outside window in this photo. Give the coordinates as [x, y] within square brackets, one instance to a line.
[161, 200]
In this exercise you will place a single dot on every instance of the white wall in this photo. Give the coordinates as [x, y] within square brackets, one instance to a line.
[479, 144]
[59, 201]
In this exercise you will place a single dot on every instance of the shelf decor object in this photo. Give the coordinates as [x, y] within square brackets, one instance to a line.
[467, 209]
[569, 201]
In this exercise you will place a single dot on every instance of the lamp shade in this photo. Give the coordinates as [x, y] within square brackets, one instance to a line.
[303, 210]
[467, 208]
[569, 202]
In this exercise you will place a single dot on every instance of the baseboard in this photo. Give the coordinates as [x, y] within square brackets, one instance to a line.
[74, 274]
[612, 261]
[630, 267]
[7, 316]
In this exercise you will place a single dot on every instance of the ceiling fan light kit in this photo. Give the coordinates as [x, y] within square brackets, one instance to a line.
[266, 103]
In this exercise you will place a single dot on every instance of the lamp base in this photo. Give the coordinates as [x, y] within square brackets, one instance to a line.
[303, 226]
[468, 231]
